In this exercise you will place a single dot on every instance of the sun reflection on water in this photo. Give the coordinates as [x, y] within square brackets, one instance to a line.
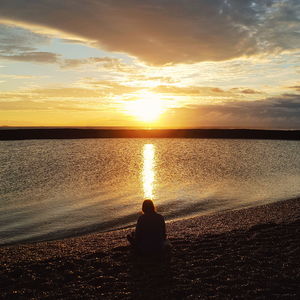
[148, 170]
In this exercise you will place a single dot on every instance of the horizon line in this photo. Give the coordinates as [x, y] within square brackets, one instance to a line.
[3, 127]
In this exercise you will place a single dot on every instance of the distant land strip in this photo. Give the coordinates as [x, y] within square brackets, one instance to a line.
[79, 133]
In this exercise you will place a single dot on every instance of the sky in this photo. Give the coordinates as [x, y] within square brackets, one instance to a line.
[150, 63]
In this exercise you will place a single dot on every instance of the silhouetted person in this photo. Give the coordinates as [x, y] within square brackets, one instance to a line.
[150, 232]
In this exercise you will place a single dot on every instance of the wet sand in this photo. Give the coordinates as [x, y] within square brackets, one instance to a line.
[252, 253]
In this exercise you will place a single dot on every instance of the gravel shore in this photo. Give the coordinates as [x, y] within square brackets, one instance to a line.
[252, 253]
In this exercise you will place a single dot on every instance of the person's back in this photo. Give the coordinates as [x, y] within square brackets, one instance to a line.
[150, 232]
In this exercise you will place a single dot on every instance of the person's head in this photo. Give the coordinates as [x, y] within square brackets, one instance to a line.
[148, 207]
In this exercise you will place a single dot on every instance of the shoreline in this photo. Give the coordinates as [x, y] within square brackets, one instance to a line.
[184, 218]
[255, 250]
[86, 133]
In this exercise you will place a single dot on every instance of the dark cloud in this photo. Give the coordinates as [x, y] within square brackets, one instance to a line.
[281, 26]
[295, 87]
[162, 31]
[20, 45]
[246, 91]
[50, 57]
[41, 57]
[15, 39]
[250, 91]
[276, 112]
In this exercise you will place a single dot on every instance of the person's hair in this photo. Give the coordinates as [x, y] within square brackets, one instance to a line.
[148, 206]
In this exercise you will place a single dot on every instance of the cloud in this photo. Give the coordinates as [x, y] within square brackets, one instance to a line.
[70, 92]
[295, 87]
[40, 57]
[19, 44]
[282, 24]
[15, 39]
[100, 91]
[282, 111]
[205, 91]
[13, 76]
[106, 62]
[190, 90]
[274, 112]
[160, 32]
[142, 77]
[246, 91]
[112, 87]
[33, 105]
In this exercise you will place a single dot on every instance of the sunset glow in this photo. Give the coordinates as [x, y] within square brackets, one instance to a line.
[147, 109]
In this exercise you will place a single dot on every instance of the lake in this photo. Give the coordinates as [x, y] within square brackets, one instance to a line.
[52, 189]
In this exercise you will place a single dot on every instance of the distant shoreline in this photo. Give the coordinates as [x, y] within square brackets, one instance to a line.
[86, 133]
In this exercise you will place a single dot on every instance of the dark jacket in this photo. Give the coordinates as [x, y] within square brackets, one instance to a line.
[150, 232]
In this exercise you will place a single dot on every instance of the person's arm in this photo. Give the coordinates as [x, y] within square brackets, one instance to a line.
[138, 229]
[164, 234]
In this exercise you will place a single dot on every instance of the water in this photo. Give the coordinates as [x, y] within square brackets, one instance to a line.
[51, 189]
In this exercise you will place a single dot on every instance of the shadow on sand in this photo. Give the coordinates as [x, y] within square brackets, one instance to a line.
[151, 277]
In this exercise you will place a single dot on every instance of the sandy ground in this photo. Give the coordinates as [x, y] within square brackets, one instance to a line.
[252, 253]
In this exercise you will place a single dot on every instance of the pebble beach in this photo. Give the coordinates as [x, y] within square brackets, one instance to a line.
[251, 253]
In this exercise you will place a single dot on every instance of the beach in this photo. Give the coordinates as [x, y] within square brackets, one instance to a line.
[251, 253]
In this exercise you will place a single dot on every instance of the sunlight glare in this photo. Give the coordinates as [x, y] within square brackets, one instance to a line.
[148, 170]
[147, 108]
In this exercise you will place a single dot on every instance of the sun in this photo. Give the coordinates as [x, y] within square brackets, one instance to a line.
[147, 108]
